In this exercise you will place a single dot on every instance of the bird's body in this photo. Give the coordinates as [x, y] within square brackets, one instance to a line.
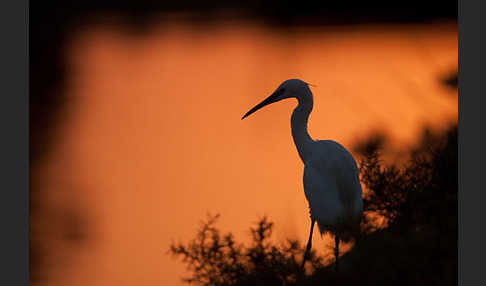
[333, 190]
[331, 177]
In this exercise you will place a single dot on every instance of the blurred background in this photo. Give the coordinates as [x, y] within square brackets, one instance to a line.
[135, 107]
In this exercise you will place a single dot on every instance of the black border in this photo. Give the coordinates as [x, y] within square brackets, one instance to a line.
[471, 193]
[14, 206]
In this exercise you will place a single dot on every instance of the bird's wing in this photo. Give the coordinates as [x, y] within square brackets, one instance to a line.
[321, 193]
[347, 180]
[335, 174]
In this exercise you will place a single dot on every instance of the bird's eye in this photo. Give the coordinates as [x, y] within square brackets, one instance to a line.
[282, 90]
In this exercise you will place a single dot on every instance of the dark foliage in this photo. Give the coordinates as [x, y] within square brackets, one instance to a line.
[419, 202]
[216, 259]
[451, 80]
[417, 246]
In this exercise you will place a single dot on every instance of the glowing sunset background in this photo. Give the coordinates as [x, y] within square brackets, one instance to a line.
[151, 139]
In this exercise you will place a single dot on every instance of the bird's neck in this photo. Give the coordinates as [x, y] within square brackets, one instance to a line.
[300, 116]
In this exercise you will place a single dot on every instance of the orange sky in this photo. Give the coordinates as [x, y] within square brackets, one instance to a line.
[151, 137]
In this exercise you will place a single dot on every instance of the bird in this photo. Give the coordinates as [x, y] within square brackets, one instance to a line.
[331, 177]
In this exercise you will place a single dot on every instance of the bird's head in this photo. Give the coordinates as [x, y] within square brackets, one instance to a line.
[291, 88]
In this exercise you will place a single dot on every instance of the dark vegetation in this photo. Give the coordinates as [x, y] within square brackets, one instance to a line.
[417, 245]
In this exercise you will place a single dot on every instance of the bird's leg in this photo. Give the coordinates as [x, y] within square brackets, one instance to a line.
[336, 251]
[309, 242]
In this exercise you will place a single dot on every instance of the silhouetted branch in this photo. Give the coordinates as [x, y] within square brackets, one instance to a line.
[216, 259]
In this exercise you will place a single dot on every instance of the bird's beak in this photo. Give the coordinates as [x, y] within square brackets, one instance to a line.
[269, 100]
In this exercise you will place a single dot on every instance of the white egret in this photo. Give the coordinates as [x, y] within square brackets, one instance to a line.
[331, 177]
